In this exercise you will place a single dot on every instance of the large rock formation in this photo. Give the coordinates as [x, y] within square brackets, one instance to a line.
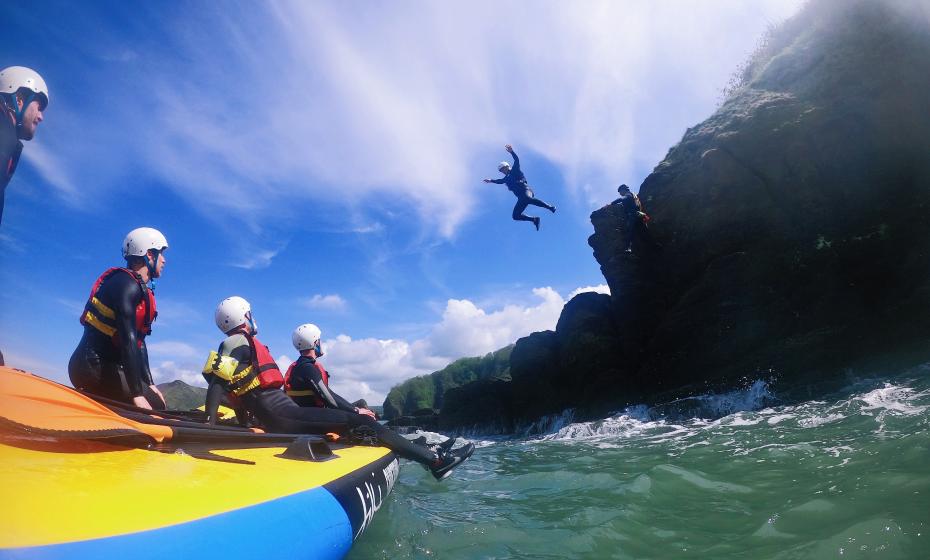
[795, 219]
[795, 225]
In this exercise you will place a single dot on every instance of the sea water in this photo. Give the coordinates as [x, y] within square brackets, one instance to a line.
[741, 475]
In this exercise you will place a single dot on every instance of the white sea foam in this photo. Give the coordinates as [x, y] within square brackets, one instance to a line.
[893, 399]
[663, 422]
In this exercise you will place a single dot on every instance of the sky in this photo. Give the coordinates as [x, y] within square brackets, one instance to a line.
[324, 161]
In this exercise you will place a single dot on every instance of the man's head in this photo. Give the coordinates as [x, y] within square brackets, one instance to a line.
[234, 314]
[623, 189]
[504, 167]
[25, 95]
[307, 340]
[145, 246]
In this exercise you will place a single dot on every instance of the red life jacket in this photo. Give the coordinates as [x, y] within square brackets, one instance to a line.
[306, 392]
[269, 376]
[97, 315]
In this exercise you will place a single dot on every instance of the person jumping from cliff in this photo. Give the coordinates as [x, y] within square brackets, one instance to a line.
[640, 236]
[516, 183]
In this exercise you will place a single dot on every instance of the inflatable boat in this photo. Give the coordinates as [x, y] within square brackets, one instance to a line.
[82, 480]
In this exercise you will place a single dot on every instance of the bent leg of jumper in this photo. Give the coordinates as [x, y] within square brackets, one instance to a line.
[518, 209]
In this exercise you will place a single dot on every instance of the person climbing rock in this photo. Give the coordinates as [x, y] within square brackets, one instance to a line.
[516, 183]
[111, 359]
[243, 367]
[23, 100]
[640, 238]
[307, 381]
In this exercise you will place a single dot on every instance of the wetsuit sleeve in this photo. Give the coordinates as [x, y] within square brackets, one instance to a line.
[212, 403]
[332, 400]
[146, 370]
[516, 162]
[127, 295]
[343, 404]
[500, 181]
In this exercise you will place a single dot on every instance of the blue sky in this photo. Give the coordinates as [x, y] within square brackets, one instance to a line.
[324, 161]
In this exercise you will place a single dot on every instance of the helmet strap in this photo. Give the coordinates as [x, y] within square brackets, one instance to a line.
[9, 99]
[251, 324]
[152, 264]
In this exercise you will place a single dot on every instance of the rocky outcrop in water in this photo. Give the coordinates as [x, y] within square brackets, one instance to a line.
[795, 225]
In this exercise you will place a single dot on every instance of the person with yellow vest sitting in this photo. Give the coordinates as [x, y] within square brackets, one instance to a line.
[243, 367]
[111, 359]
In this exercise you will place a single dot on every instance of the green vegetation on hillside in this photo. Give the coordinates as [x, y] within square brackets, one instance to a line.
[181, 396]
[427, 391]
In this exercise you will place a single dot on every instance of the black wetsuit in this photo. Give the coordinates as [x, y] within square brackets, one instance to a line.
[640, 239]
[278, 413]
[10, 150]
[306, 376]
[100, 366]
[516, 183]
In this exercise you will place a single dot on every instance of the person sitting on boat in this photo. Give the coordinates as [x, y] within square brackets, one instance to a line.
[307, 381]
[111, 360]
[244, 367]
[516, 183]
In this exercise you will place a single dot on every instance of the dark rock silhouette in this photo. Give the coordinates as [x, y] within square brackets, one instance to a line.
[795, 225]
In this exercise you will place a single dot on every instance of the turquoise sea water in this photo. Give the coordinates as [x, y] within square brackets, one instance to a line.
[843, 477]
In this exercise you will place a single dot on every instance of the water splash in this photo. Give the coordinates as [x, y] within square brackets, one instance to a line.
[548, 424]
[754, 397]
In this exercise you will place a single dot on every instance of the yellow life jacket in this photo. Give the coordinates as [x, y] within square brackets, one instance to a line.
[222, 369]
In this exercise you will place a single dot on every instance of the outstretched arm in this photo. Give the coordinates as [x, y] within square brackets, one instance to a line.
[498, 181]
[516, 160]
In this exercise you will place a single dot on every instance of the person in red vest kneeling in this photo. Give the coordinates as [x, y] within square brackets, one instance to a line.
[111, 359]
[244, 368]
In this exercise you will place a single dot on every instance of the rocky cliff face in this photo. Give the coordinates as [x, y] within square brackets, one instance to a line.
[795, 220]
[795, 225]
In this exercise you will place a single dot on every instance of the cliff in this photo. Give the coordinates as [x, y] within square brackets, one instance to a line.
[795, 232]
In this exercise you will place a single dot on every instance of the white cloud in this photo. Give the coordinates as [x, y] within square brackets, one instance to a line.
[412, 101]
[330, 302]
[10, 243]
[169, 371]
[176, 360]
[34, 365]
[368, 368]
[600, 289]
[172, 350]
[257, 259]
[53, 170]
[173, 312]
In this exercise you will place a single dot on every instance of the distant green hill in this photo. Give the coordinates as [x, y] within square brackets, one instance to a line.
[426, 391]
[181, 396]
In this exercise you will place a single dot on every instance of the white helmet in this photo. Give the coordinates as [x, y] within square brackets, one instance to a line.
[307, 337]
[503, 166]
[13, 78]
[232, 312]
[140, 240]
